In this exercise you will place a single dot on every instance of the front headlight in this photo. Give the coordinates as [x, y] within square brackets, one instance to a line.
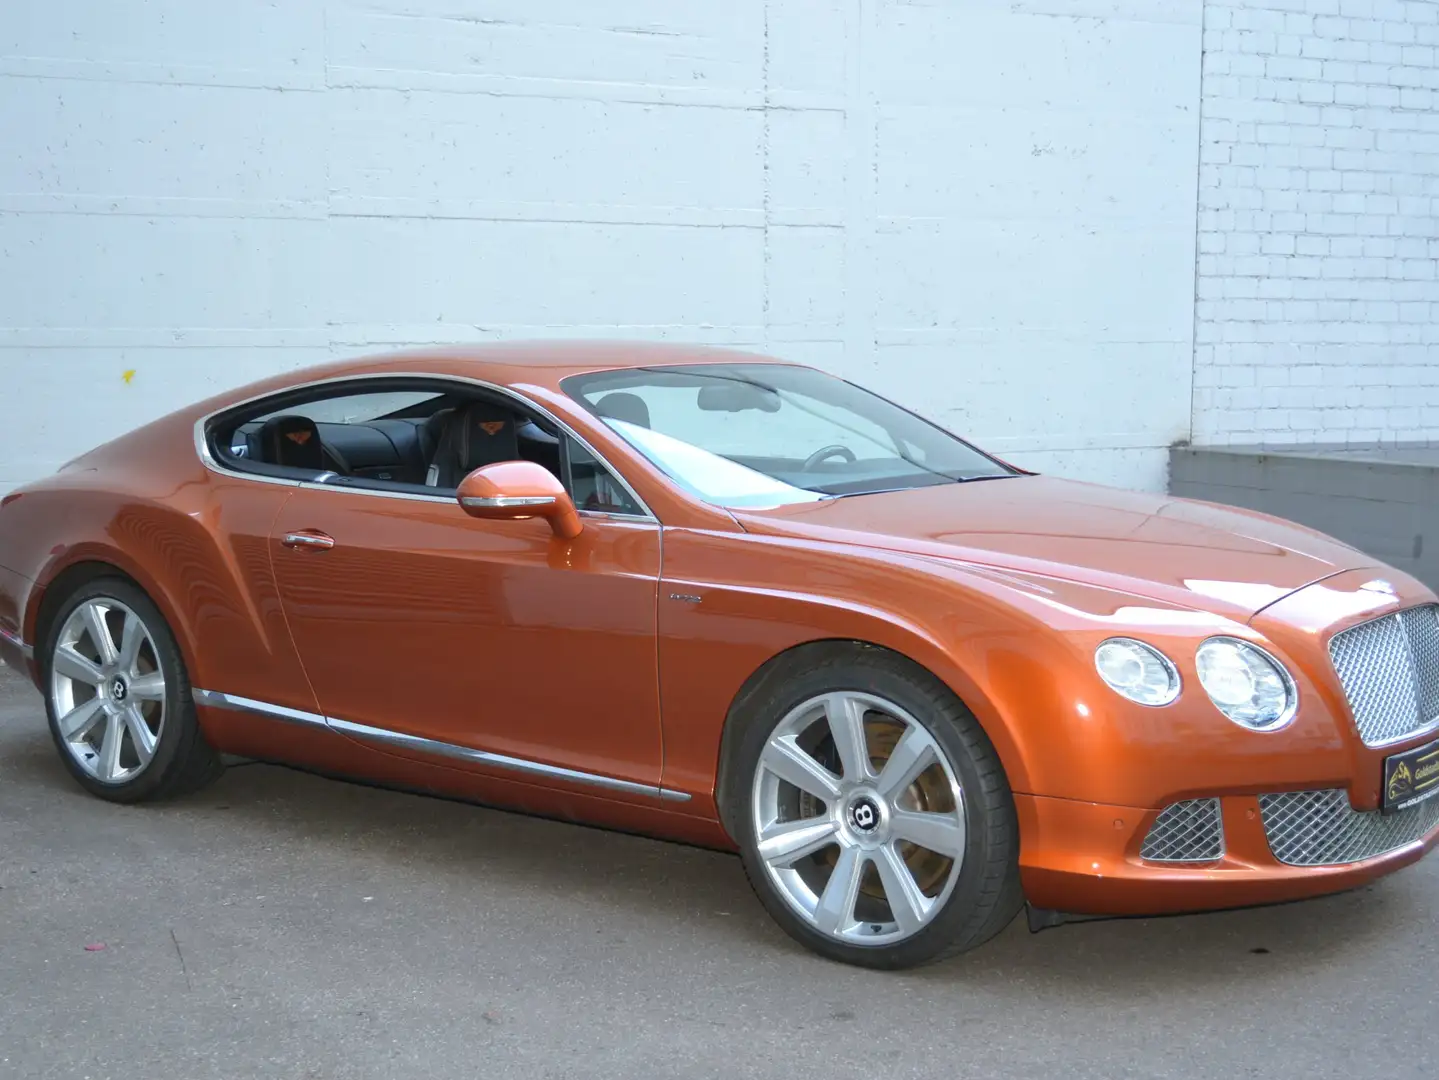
[1246, 684]
[1137, 671]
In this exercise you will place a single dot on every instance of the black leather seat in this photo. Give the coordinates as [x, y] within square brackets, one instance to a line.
[630, 408]
[430, 431]
[471, 437]
[293, 441]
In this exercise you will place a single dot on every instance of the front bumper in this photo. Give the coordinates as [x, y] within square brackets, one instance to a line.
[1242, 818]
[1085, 858]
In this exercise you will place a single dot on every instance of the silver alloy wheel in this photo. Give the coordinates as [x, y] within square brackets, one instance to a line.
[107, 690]
[821, 801]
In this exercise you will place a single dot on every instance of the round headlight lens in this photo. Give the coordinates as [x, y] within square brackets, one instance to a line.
[1246, 684]
[1137, 671]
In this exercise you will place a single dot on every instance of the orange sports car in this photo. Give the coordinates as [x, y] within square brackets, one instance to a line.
[715, 597]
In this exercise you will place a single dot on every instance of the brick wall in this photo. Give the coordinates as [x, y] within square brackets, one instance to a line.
[1317, 316]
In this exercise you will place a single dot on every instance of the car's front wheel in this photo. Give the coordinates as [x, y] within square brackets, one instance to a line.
[118, 697]
[874, 819]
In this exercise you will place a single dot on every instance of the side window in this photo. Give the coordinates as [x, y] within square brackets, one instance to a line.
[593, 487]
[380, 436]
[415, 440]
[357, 408]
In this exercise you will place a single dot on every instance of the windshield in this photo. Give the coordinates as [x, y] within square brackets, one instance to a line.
[753, 435]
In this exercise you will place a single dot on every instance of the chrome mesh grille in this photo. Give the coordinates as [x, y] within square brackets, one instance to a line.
[1422, 624]
[1389, 668]
[1185, 832]
[1320, 828]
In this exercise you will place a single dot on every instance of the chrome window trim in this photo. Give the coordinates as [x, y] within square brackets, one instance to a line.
[202, 445]
[409, 496]
[385, 736]
[621, 519]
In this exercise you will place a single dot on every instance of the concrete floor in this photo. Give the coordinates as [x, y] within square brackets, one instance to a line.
[282, 925]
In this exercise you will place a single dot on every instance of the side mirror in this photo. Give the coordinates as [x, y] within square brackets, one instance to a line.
[516, 490]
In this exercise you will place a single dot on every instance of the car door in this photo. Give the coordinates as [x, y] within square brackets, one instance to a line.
[489, 644]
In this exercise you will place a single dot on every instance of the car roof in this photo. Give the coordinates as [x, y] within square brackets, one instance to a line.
[514, 364]
[542, 363]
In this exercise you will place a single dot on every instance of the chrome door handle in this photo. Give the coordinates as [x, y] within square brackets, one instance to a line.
[308, 540]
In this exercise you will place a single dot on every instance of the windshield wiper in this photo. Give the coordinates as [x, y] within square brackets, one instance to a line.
[921, 487]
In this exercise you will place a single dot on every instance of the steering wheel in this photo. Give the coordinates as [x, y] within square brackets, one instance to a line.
[824, 453]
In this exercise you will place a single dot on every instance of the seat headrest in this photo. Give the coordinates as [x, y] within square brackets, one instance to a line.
[483, 434]
[630, 408]
[294, 441]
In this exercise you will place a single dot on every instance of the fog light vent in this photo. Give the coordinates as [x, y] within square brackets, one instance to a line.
[1186, 832]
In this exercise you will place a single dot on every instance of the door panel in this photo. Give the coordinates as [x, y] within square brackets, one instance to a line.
[413, 617]
[218, 577]
[228, 592]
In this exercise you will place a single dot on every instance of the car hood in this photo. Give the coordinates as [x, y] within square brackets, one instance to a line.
[1196, 554]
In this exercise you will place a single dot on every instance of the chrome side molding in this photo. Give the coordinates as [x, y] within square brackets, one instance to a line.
[15, 639]
[499, 761]
[217, 700]
[386, 737]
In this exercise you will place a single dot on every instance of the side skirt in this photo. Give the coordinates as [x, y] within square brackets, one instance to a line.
[386, 738]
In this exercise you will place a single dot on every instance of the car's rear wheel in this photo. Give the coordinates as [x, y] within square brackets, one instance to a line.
[874, 819]
[118, 697]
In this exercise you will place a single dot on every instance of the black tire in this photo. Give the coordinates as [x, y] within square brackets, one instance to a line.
[183, 762]
[987, 894]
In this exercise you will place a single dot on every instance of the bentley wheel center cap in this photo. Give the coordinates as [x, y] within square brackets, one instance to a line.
[864, 815]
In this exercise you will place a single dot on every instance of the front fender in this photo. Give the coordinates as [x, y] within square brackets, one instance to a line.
[761, 596]
[1016, 648]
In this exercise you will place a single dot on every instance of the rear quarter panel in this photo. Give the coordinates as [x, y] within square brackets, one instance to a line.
[195, 541]
[14, 590]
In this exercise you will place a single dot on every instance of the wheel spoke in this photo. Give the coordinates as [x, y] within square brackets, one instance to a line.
[140, 736]
[78, 721]
[845, 714]
[149, 687]
[785, 843]
[914, 753]
[132, 636]
[835, 910]
[907, 904]
[784, 758]
[109, 766]
[100, 633]
[940, 833]
[72, 665]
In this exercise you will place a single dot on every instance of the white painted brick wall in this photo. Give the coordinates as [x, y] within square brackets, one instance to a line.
[1317, 317]
[983, 208]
